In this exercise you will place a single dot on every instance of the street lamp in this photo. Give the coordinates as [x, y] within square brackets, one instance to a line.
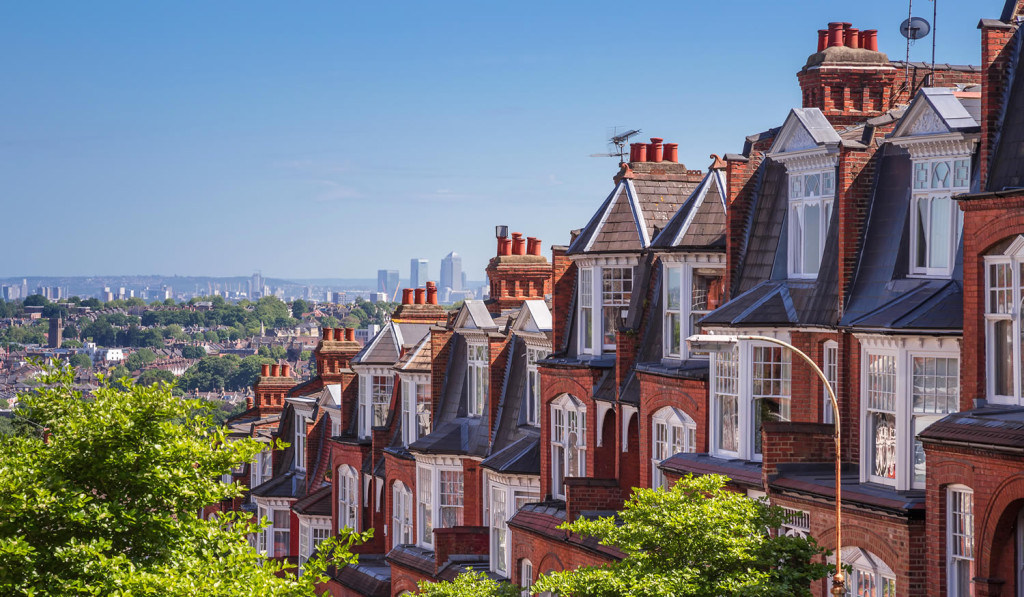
[720, 342]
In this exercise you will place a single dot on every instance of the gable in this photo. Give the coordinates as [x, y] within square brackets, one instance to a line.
[621, 227]
[935, 111]
[804, 129]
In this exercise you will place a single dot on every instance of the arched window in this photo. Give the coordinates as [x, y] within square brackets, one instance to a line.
[960, 540]
[672, 431]
[568, 442]
[870, 577]
[401, 515]
[348, 498]
[526, 576]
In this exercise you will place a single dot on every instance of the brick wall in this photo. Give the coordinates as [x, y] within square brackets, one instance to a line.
[440, 346]
[555, 381]
[549, 555]
[787, 442]
[587, 493]
[563, 275]
[657, 392]
[464, 540]
[995, 57]
[404, 471]
[846, 95]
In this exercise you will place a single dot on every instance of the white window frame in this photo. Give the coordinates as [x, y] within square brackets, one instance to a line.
[284, 532]
[262, 468]
[672, 431]
[1004, 303]
[800, 202]
[870, 575]
[416, 415]
[376, 387]
[568, 416]
[926, 193]
[430, 498]
[349, 490]
[960, 539]
[593, 298]
[733, 378]
[903, 351]
[478, 377]
[526, 577]
[531, 404]
[515, 491]
[263, 513]
[830, 359]
[402, 529]
[300, 442]
[682, 313]
[312, 532]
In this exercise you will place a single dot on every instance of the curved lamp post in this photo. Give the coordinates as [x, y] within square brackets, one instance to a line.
[715, 343]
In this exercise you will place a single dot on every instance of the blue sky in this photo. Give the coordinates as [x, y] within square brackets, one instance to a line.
[330, 139]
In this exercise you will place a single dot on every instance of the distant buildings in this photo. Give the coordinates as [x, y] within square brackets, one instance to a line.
[451, 273]
[387, 282]
[418, 275]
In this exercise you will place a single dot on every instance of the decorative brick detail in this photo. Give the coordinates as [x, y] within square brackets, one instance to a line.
[587, 493]
[517, 278]
[464, 540]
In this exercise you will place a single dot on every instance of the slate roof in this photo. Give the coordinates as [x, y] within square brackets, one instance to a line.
[700, 223]
[543, 519]
[1007, 169]
[741, 471]
[317, 503]
[998, 427]
[370, 576]
[813, 122]
[761, 241]
[385, 348]
[418, 358]
[819, 480]
[638, 207]
[944, 103]
[521, 457]
[882, 296]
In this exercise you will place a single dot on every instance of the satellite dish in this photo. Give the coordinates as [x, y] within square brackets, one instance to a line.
[915, 28]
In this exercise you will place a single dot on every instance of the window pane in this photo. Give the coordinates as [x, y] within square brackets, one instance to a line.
[812, 185]
[1002, 359]
[940, 232]
[672, 333]
[727, 399]
[921, 259]
[811, 238]
[674, 287]
[1000, 285]
[883, 438]
[940, 176]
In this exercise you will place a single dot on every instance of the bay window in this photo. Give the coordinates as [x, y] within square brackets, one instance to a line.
[505, 496]
[604, 295]
[312, 532]
[959, 540]
[568, 442]
[690, 292]
[401, 515]
[811, 194]
[935, 220]
[300, 442]
[831, 370]
[1004, 333]
[906, 387]
[375, 390]
[440, 505]
[415, 408]
[348, 498]
[282, 533]
[750, 386]
[262, 468]
[673, 432]
[869, 575]
[478, 378]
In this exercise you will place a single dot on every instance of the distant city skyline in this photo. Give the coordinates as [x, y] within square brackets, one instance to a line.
[177, 138]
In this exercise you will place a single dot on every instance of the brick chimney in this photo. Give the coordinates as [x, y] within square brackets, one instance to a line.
[848, 79]
[518, 275]
[271, 388]
[420, 305]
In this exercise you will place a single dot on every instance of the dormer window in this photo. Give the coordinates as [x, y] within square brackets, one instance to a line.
[415, 409]
[604, 294]
[673, 432]
[811, 194]
[935, 220]
[532, 403]
[478, 379]
[300, 442]
[691, 292]
[375, 389]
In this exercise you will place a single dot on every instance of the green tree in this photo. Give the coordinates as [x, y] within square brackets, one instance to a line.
[80, 361]
[273, 352]
[193, 352]
[107, 502]
[92, 302]
[299, 307]
[329, 321]
[70, 344]
[70, 332]
[152, 376]
[174, 331]
[35, 300]
[210, 374]
[269, 308]
[469, 584]
[248, 372]
[697, 539]
[211, 336]
[139, 359]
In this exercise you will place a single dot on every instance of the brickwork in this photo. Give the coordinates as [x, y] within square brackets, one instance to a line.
[555, 381]
[589, 493]
[846, 94]
[517, 278]
[549, 555]
[657, 392]
[740, 184]
[563, 275]
[464, 540]
[788, 442]
[398, 470]
[995, 58]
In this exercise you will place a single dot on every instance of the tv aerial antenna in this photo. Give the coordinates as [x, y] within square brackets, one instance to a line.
[619, 142]
[915, 28]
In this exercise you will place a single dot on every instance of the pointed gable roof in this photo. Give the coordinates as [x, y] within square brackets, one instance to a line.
[805, 129]
[645, 197]
[935, 111]
[700, 222]
[534, 316]
[474, 315]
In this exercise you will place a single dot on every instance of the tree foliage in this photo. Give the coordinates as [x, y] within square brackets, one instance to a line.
[152, 376]
[469, 584]
[106, 501]
[193, 352]
[697, 539]
[228, 372]
[80, 361]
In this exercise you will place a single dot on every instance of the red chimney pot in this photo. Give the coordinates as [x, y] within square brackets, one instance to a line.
[265, 370]
[431, 293]
[641, 152]
[536, 247]
[872, 40]
[852, 38]
[339, 334]
[518, 246]
[420, 300]
[275, 370]
[822, 39]
[654, 150]
[286, 370]
[326, 333]
[407, 296]
[671, 152]
[350, 334]
[835, 34]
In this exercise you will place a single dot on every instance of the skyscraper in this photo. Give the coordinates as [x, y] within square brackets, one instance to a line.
[418, 272]
[387, 282]
[451, 271]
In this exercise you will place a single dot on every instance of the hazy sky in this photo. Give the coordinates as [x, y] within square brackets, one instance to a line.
[330, 139]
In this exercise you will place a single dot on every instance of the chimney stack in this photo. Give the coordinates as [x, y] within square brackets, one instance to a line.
[432, 293]
[420, 300]
[407, 296]
[286, 370]
[350, 334]
[265, 370]
[275, 370]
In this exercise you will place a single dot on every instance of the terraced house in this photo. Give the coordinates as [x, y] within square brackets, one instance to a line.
[878, 227]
